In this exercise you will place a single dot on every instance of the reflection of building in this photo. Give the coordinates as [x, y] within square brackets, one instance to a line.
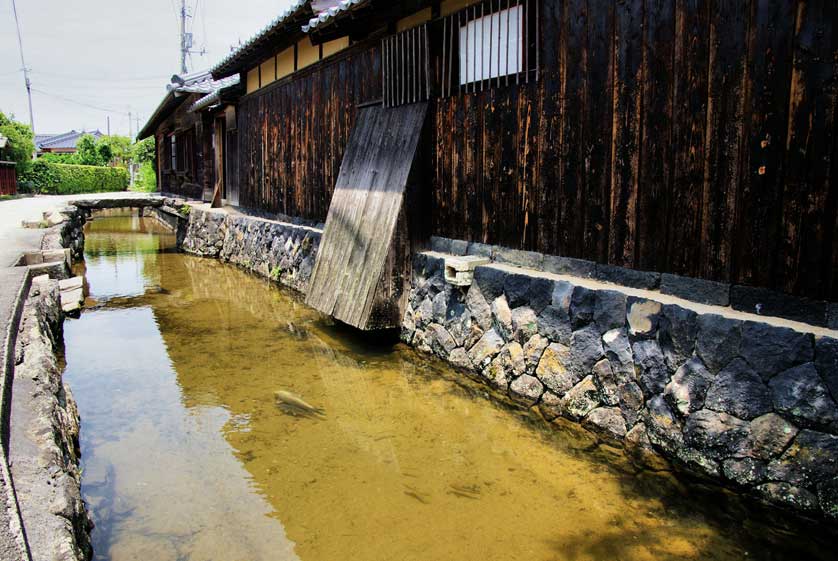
[64, 143]
[8, 177]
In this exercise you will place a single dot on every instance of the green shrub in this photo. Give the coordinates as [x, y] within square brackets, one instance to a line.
[64, 179]
[146, 180]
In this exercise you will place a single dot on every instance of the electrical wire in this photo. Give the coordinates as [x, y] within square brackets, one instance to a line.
[81, 103]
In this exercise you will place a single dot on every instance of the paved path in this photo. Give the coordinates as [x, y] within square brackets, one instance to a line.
[14, 240]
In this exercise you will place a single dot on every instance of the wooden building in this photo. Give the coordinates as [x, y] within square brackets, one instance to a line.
[190, 127]
[685, 136]
[8, 173]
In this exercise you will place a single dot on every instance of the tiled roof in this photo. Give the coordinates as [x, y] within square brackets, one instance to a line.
[64, 140]
[248, 45]
[179, 89]
[200, 82]
[326, 16]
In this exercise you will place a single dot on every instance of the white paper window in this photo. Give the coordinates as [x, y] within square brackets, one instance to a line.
[491, 46]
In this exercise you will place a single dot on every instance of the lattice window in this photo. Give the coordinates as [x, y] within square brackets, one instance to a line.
[489, 44]
[406, 67]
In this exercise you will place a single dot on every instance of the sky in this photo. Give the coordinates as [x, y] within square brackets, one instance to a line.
[91, 59]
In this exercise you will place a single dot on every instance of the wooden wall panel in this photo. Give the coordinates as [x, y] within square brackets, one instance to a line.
[689, 136]
[292, 134]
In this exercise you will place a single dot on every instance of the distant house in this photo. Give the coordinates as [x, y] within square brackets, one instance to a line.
[64, 143]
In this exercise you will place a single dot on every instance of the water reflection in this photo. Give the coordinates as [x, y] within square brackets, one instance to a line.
[187, 456]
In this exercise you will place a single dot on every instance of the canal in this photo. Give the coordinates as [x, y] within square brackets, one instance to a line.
[188, 454]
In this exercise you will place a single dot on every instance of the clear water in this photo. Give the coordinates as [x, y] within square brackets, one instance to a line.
[187, 456]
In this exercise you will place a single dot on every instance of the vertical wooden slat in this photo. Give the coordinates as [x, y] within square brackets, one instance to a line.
[445, 51]
[806, 251]
[683, 230]
[727, 44]
[482, 42]
[656, 150]
[526, 43]
[626, 132]
[427, 64]
[760, 212]
[537, 40]
[506, 73]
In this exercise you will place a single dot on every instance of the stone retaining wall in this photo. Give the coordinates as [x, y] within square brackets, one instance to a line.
[280, 251]
[750, 299]
[744, 403]
[44, 449]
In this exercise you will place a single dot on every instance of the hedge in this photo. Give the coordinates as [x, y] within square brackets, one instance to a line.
[66, 179]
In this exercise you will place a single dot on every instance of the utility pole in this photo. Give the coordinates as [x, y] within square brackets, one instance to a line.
[25, 69]
[184, 47]
[109, 125]
[131, 138]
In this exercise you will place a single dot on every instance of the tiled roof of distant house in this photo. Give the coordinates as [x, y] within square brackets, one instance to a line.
[64, 141]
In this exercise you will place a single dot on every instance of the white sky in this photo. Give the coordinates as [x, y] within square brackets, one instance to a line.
[116, 55]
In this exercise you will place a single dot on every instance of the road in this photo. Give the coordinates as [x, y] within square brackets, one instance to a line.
[14, 240]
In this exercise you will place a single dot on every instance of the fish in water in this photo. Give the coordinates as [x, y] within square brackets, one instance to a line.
[294, 405]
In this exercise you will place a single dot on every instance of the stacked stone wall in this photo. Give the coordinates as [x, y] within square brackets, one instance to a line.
[745, 403]
[280, 251]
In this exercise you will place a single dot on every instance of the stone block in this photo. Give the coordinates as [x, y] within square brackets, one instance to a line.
[606, 421]
[771, 349]
[609, 310]
[763, 301]
[643, 316]
[826, 361]
[519, 258]
[70, 284]
[490, 280]
[628, 277]
[569, 266]
[688, 387]
[459, 247]
[696, 290]
[441, 245]
[516, 287]
[526, 389]
[481, 249]
[718, 340]
[652, 370]
[800, 393]
[739, 391]
[811, 459]
[459, 271]
[539, 294]
[832, 316]
[581, 399]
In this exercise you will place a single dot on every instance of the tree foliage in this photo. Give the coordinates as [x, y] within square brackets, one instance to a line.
[21, 144]
[143, 151]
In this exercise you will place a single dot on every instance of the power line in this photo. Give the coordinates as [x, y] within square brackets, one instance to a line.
[81, 103]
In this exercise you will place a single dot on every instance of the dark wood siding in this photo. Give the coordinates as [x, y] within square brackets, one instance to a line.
[8, 179]
[686, 136]
[679, 136]
[292, 135]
